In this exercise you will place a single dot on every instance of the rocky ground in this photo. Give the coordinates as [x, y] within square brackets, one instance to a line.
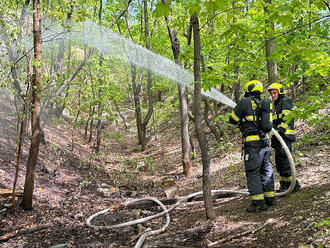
[72, 183]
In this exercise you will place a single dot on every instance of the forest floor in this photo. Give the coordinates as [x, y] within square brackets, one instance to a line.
[72, 183]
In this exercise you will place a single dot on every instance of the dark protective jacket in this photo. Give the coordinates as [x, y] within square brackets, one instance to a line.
[254, 117]
[282, 108]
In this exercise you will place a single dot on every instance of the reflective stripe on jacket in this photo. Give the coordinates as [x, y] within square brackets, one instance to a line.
[254, 118]
[282, 108]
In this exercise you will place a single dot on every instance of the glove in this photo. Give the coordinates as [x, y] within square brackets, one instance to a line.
[281, 130]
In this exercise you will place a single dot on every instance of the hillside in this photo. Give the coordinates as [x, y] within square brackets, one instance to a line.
[72, 183]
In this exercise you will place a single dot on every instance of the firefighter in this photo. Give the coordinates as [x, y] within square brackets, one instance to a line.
[285, 127]
[254, 118]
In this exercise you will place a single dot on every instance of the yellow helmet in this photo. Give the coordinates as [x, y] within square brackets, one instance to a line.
[254, 86]
[278, 87]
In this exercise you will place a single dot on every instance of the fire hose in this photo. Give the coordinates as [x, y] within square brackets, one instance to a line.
[166, 211]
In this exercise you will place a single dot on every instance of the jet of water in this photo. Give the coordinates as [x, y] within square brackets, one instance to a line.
[117, 46]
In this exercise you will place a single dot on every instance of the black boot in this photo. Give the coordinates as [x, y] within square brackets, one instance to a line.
[296, 187]
[270, 201]
[283, 186]
[259, 205]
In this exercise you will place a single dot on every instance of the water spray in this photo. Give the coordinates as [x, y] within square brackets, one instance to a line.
[116, 46]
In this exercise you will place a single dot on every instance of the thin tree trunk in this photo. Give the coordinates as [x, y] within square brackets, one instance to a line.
[136, 87]
[23, 120]
[58, 67]
[185, 141]
[99, 107]
[35, 110]
[20, 144]
[87, 124]
[149, 80]
[23, 14]
[237, 83]
[75, 120]
[91, 125]
[120, 114]
[136, 92]
[185, 138]
[270, 49]
[217, 133]
[99, 113]
[198, 120]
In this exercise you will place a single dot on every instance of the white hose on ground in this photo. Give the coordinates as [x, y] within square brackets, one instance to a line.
[154, 232]
[166, 211]
[129, 223]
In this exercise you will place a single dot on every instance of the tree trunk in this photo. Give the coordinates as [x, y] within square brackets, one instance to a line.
[149, 80]
[209, 124]
[99, 113]
[236, 94]
[141, 125]
[35, 111]
[217, 132]
[91, 125]
[87, 122]
[120, 114]
[99, 107]
[270, 49]
[20, 140]
[58, 67]
[136, 93]
[185, 140]
[23, 14]
[198, 120]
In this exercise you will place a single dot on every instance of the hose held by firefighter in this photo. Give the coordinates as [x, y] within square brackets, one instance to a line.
[284, 125]
[253, 116]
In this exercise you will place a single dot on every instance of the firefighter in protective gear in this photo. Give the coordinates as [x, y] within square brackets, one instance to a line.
[285, 127]
[254, 118]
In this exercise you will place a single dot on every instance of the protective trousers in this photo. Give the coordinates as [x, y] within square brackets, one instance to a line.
[259, 172]
[281, 159]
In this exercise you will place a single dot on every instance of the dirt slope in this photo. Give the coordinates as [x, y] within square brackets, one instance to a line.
[69, 181]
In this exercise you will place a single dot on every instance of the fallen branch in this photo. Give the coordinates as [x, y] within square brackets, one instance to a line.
[35, 228]
[211, 244]
[9, 192]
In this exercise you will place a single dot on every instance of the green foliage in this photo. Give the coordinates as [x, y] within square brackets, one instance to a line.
[222, 117]
[324, 222]
[233, 168]
[221, 146]
[162, 9]
[84, 184]
[100, 168]
[115, 136]
[92, 156]
[140, 163]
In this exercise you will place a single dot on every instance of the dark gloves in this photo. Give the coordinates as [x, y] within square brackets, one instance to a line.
[281, 130]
